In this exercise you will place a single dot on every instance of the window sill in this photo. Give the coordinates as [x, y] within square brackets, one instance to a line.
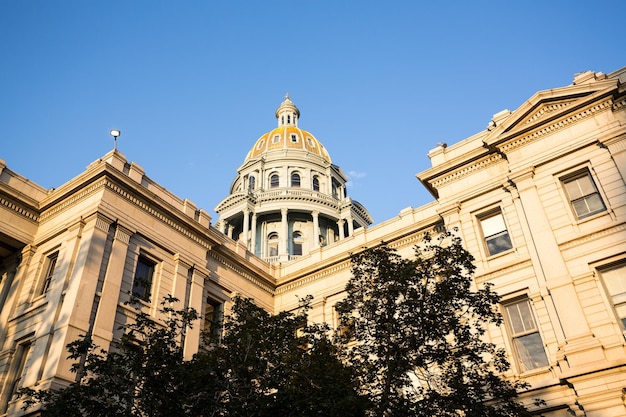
[500, 254]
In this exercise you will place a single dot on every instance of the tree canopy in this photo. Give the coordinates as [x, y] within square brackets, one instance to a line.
[264, 365]
[413, 330]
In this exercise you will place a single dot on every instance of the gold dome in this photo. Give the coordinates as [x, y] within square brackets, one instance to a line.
[288, 135]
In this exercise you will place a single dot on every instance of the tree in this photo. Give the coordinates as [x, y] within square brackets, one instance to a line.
[279, 365]
[264, 365]
[414, 333]
[144, 374]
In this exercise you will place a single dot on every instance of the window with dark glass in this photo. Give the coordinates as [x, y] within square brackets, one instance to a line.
[251, 183]
[142, 282]
[294, 138]
[295, 179]
[274, 181]
[583, 195]
[316, 183]
[525, 336]
[16, 374]
[49, 267]
[496, 235]
[614, 277]
[297, 243]
[213, 314]
[272, 244]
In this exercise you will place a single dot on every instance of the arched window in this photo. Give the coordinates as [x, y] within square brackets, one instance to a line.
[297, 243]
[251, 183]
[295, 179]
[274, 181]
[272, 244]
[316, 183]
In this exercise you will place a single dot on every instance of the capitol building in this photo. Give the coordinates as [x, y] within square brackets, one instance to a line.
[538, 198]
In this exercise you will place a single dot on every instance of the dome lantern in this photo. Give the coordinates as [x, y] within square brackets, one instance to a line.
[287, 113]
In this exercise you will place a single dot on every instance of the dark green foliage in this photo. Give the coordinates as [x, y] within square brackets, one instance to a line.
[413, 330]
[265, 365]
[144, 375]
[278, 365]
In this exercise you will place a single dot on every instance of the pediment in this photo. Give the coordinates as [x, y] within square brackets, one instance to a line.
[547, 107]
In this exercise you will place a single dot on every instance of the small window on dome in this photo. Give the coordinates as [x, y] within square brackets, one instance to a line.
[260, 145]
[295, 179]
[274, 181]
[294, 138]
[282, 120]
[276, 139]
[288, 118]
[310, 142]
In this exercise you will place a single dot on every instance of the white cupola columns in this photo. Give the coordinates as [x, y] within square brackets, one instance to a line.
[287, 113]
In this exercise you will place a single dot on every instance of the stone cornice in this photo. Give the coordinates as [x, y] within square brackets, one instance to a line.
[29, 214]
[465, 170]
[557, 125]
[235, 267]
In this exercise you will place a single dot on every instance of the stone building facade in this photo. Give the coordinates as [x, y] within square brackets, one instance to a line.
[538, 197]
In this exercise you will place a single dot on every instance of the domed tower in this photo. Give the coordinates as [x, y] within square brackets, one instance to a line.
[288, 197]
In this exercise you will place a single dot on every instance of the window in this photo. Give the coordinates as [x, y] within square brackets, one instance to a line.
[260, 145]
[49, 266]
[276, 139]
[583, 195]
[213, 312]
[272, 244]
[288, 118]
[142, 283]
[310, 142]
[614, 278]
[495, 233]
[316, 183]
[525, 336]
[297, 243]
[295, 179]
[274, 181]
[251, 183]
[294, 138]
[16, 372]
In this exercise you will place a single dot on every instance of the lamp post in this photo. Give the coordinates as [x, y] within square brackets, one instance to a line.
[115, 133]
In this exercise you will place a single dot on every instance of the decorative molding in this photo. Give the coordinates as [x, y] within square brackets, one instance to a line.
[503, 271]
[31, 215]
[459, 174]
[547, 109]
[299, 282]
[235, 268]
[558, 125]
[592, 236]
[71, 201]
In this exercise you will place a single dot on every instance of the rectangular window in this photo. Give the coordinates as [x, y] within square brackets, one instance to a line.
[213, 314]
[16, 374]
[495, 233]
[525, 336]
[614, 278]
[144, 274]
[583, 195]
[49, 266]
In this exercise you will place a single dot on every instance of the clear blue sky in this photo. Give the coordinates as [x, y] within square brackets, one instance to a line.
[193, 84]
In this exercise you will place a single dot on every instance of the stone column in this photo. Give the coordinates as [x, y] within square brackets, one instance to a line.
[283, 245]
[107, 307]
[350, 226]
[246, 219]
[340, 223]
[316, 229]
[196, 292]
[253, 234]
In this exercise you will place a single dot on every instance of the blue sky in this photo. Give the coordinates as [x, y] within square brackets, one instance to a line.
[193, 84]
